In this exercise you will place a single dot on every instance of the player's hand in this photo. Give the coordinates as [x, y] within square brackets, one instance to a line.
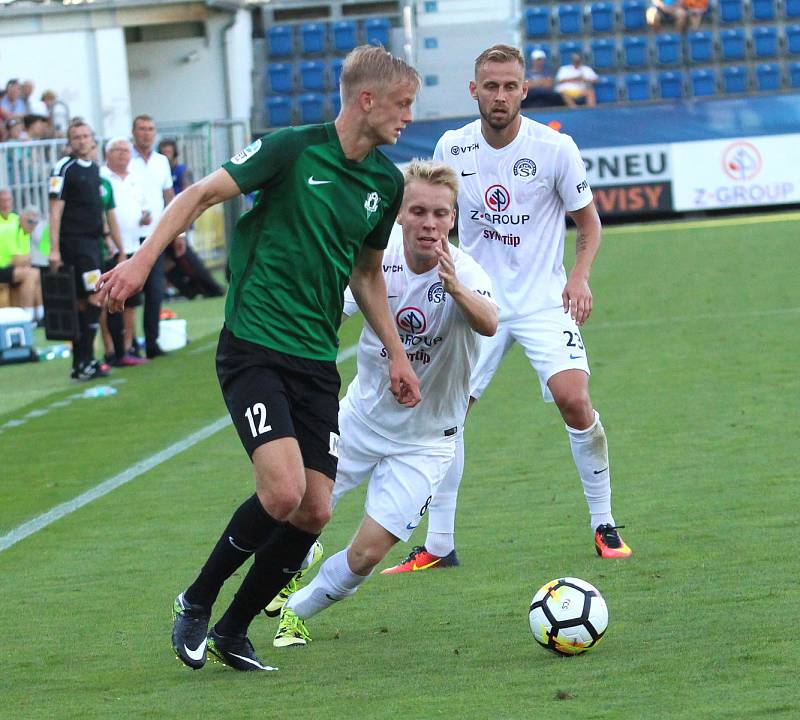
[54, 260]
[403, 381]
[447, 268]
[120, 283]
[577, 299]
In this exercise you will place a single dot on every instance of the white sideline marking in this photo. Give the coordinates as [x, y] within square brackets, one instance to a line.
[42, 521]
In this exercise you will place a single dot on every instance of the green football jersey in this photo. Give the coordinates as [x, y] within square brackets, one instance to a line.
[293, 252]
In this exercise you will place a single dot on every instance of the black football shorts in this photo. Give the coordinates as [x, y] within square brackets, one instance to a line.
[272, 395]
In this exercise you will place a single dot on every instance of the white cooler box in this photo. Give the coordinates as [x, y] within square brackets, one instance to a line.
[172, 334]
[16, 336]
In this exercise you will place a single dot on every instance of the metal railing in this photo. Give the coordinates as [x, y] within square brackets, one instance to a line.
[26, 166]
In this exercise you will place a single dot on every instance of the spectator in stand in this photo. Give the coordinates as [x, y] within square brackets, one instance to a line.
[187, 273]
[156, 173]
[11, 104]
[540, 83]
[15, 130]
[695, 10]
[26, 93]
[57, 112]
[129, 205]
[575, 83]
[37, 127]
[669, 10]
[15, 262]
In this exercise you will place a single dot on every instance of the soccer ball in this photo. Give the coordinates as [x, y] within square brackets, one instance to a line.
[568, 616]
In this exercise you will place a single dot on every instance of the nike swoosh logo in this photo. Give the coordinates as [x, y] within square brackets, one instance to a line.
[332, 598]
[463, 174]
[574, 357]
[311, 181]
[424, 567]
[409, 526]
[289, 571]
[253, 662]
[597, 472]
[197, 654]
[240, 549]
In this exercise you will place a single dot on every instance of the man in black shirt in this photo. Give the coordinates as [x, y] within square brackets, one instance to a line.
[76, 231]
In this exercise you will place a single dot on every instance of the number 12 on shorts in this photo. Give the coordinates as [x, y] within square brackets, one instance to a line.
[259, 412]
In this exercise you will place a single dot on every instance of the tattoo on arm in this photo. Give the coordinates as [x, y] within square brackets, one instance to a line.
[580, 242]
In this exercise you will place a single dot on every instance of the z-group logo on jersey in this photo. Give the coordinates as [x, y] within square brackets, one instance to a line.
[458, 149]
[436, 293]
[497, 198]
[411, 320]
[525, 168]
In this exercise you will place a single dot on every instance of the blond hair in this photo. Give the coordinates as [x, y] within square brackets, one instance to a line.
[373, 65]
[434, 173]
[499, 54]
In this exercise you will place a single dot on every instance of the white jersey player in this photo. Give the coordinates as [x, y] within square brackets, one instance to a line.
[518, 179]
[441, 300]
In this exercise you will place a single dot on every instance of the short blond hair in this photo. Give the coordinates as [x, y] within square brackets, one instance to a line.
[499, 54]
[373, 65]
[434, 173]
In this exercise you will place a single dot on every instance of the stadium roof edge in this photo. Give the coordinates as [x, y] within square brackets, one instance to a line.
[27, 8]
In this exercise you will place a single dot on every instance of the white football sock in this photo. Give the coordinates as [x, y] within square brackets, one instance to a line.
[590, 451]
[39, 312]
[31, 313]
[334, 581]
[442, 510]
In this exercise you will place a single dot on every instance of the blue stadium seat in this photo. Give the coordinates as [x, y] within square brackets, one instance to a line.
[537, 22]
[768, 77]
[635, 51]
[280, 78]
[570, 19]
[668, 49]
[376, 31]
[335, 102]
[793, 39]
[279, 110]
[345, 35]
[792, 8]
[566, 48]
[336, 71]
[730, 11]
[733, 44]
[704, 82]
[637, 87]
[602, 16]
[734, 79]
[312, 75]
[794, 74]
[606, 89]
[765, 42]
[633, 12]
[701, 47]
[604, 53]
[762, 10]
[280, 41]
[311, 107]
[670, 85]
[312, 38]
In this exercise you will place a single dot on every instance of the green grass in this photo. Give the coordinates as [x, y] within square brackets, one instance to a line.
[691, 345]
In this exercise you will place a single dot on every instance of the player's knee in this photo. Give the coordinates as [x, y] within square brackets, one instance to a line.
[315, 517]
[576, 409]
[363, 558]
[280, 502]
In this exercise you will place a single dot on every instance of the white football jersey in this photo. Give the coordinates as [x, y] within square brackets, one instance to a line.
[511, 208]
[442, 348]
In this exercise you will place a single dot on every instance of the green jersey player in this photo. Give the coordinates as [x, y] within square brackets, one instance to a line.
[326, 202]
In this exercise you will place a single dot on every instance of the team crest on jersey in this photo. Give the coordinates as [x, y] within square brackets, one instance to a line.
[436, 293]
[244, 155]
[497, 198]
[525, 168]
[411, 320]
[371, 203]
[56, 184]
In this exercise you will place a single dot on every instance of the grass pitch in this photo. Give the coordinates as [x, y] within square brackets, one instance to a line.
[691, 345]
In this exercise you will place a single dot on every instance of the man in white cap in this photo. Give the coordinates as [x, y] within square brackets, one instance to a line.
[540, 83]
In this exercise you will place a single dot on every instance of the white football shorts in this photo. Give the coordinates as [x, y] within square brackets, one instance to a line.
[402, 477]
[551, 340]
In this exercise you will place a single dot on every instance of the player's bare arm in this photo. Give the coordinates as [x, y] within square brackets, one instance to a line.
[116, 236]
[129, 277]
[369, 291]
[577, 297]
[481, 314]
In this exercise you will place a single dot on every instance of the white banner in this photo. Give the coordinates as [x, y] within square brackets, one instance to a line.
[743, 172]
[627, 165]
